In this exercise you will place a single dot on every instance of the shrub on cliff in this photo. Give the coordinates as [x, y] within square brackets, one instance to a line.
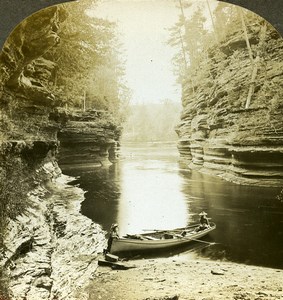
[4, 294]
[228, 60]
[16, 181]
[88, 72]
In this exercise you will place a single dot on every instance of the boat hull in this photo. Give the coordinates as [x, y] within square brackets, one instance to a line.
[135, 245]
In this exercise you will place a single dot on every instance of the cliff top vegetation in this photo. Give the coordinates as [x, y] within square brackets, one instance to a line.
[203, 39]
[72, 61]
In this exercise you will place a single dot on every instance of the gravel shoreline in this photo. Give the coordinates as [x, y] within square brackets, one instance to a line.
[189, 278]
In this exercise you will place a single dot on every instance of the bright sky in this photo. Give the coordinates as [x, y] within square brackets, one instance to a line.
[143, 25]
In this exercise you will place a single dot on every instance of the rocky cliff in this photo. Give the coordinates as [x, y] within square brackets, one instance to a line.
[48, 249]
[219, 132]
[89, 138]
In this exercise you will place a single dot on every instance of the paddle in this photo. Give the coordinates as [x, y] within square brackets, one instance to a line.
[192, 239]
[196, 240]
[171, 230]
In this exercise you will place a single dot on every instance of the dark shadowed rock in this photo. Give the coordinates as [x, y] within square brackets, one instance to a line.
[23, 68]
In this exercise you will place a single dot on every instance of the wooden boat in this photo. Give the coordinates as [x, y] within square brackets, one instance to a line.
[159, 240]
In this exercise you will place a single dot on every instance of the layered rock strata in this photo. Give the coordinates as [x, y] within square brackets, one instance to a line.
[48, 249]
[217, 134]
[22, 54]
[51, 249]
[90, 139]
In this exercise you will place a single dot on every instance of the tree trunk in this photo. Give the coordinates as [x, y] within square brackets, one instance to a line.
[183, 51]
[255, 65]
[252, 83]
[246, 34]
[212, 21]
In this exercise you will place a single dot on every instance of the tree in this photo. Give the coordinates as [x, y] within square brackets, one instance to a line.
[87, 61]
[152, 122]
[190, 37]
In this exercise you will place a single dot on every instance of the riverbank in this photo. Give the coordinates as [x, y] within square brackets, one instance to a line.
[51, 249]
[187, 278]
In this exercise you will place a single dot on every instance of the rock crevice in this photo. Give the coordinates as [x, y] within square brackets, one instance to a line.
[218, 133]
[51, 249]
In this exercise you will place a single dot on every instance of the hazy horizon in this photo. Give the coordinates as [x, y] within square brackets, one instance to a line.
[143, 27]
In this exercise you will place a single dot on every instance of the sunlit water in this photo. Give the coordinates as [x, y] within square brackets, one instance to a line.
[148, 190]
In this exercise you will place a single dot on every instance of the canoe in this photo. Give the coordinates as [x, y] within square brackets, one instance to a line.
[159, 239]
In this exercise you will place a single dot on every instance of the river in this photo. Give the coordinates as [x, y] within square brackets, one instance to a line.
[148, 189]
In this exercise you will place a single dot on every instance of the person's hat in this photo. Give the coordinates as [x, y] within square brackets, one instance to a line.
[114, 225]
[203, 213]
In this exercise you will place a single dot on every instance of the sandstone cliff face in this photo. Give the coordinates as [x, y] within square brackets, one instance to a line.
[21, 54]
[48, 249]
[25, 101]
[90, 139]
[217, 133]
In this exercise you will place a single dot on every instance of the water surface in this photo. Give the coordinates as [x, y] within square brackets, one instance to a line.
[148, 189]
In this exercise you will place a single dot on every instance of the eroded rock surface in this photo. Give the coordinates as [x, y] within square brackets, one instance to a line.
[218, 133]
[48, 249]
[51, 249]
[89, 138]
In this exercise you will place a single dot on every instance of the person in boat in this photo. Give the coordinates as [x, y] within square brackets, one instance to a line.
[203, 221]
[203, 224]
[114, 234]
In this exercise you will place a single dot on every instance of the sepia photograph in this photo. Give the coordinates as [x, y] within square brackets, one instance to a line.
[141, 150]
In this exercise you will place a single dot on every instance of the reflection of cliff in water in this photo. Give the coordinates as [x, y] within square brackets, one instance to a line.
[148, 189]
[102, 186]
[248, 218]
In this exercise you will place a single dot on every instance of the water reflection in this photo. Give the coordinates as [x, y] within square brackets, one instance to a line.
[249, 219]
[151, 198]
[149, 190]
[102, 195]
